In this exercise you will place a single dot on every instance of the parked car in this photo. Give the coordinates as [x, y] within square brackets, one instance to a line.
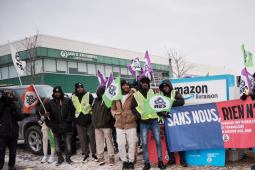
[30, 130]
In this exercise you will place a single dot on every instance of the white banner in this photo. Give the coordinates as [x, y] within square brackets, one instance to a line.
[202, 91]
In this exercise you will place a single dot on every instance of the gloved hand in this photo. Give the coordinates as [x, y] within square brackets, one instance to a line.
[253, 96]
[244, 97]
[42, 118]
[47, 114]
[40, 122]
[165, 114]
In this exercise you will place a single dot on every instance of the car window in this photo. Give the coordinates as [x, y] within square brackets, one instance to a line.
[43, 91]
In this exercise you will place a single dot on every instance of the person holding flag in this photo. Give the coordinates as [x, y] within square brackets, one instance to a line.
[46, 130]
[167, 89]
[60, 111]
[82, 102]
[10, 113]
[148, 121]
[125, 125]
[103, 122]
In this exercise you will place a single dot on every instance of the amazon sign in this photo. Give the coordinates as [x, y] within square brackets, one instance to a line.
[199, 92]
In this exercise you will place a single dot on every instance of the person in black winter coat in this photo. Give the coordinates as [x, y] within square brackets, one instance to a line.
[166, 88]
[10, 113]
[61, 115]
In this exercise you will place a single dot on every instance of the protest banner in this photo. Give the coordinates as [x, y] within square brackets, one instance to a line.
[228, 124]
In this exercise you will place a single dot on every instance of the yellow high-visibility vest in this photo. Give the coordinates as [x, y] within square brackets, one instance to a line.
[82, 106]
[140, 108]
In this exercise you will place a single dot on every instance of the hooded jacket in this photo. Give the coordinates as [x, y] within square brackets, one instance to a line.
[124, 116]
[179, 100]
[10, 113]
[39, 108]
[61, 114]
[101, 117]
[82, 119]
[134, 103]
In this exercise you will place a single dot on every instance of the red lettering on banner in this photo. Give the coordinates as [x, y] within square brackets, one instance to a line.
[237, 123]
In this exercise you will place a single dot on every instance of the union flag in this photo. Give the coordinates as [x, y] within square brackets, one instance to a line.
[30, 99]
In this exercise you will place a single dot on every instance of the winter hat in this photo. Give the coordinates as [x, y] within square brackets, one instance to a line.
[77, 85]
[57, 89]
[101, 90]
[123, 82]
[145, 80]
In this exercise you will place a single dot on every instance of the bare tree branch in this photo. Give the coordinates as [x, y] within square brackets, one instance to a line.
[178, 62]
[31, 69]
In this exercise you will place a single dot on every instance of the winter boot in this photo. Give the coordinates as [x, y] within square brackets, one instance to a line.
[183, 163]
[171, 162]
[161, 165]
[69, 161]
[146, 166]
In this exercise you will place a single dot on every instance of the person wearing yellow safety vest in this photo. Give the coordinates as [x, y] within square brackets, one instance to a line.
[82, 102]
[148, 121]
[167, 89]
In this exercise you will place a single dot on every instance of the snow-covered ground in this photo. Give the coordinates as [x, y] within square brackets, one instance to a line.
[25, 160]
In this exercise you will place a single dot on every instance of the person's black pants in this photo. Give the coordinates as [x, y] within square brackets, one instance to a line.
[12, 145]
[73, 139]
[67, 141]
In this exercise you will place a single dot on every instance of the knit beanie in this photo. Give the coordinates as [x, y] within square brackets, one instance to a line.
[77, 85]
[123, 82]
[57, 89]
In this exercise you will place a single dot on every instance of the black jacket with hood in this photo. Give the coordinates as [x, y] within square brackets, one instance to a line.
[134, 103]
[101, 117]
[179, 101]
[10, 113]
[82, 119]
[61, 114]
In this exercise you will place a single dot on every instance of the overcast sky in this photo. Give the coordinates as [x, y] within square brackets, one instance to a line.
[209, 32]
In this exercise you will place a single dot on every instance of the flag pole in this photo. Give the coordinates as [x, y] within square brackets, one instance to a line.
[154, 80]
[135, 75]
[19, 79]
[40, 99]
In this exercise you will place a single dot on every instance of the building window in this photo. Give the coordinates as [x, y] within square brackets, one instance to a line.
[91, 69]
[82, 68]
[116, 71]
[61, 66]
[72, 67]
[0, 73]
[38, 66]
[123, 72]
[129, 74]
[12, 72]
[49, 66]
[5, 73]
[101, 69]
[108, 69]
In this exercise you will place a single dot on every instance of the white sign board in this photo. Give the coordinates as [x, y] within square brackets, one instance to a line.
[202, 91]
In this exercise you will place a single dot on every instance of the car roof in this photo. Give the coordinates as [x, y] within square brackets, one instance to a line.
[20, 87]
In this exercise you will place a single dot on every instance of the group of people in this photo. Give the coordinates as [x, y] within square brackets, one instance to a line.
[89, 115]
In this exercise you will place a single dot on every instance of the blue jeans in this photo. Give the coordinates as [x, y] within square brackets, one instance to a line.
[171, 154]
[144, 135]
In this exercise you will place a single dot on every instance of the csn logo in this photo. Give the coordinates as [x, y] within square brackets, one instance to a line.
[159, 103]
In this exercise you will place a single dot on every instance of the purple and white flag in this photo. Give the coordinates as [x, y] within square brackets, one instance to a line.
[147, 63]
[247, 82]
[109, 81]
[145, 74]
[134, 66]
[101, 78]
